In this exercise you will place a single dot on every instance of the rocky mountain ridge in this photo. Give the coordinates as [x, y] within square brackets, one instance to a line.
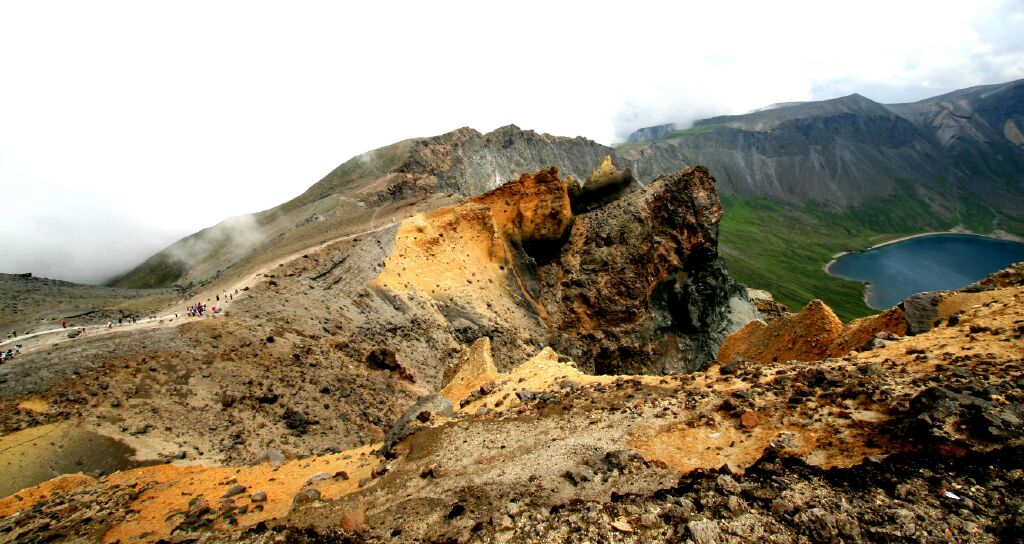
[324, 348]
[962, 145]
[387, 183]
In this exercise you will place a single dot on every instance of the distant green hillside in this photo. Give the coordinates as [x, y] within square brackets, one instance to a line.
[783, 247]
[160, 270]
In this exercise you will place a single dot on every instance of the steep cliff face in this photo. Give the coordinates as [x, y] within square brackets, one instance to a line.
[955, 147]
[648, 134]
[635, 285]
[371, 189]
[639, 286]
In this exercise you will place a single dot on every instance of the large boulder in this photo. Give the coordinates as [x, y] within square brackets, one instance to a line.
[639, 287]
[472, 370]
[425, 409]
[602, 186]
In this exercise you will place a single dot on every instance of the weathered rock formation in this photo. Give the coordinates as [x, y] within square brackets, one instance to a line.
[375, 188]
[603, 185]
[635, 285]
[639, 286]
[813, 334]
[816, 333]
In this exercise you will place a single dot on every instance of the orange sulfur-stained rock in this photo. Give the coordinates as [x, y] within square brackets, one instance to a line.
[534, 208]
[859, 332]
[473, 369]
[749, 420]
[805, 336]
[814, 333]
[354, 520]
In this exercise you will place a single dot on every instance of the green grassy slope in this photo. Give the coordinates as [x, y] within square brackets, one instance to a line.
[771, 246]
[784, 247]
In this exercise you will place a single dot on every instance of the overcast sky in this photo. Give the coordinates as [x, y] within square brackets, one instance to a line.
[126, 125]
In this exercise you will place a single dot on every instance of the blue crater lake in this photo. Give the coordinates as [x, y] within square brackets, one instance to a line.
[934, 262]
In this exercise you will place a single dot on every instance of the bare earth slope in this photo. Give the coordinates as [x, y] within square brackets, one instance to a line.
[324, 349]
[35, 304]
[915, 440]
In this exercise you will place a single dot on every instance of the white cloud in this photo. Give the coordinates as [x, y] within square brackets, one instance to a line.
[129, 124]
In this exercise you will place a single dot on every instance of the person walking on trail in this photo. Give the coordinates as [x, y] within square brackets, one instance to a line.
[63, 323]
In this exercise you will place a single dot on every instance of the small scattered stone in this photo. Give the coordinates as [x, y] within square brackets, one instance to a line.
[354, 520]
[749, 420]
[270, 455]
[622, 524]
[236, 489]
[317, 478]
[306, 496]
[818, 524]
[728, 485]
[705, 532]
[579, 475]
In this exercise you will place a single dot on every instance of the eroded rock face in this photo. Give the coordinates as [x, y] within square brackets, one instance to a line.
[813, 334]
[639, 286]
[603, 185]
[533, 208]
[805, 336]
[635, 285]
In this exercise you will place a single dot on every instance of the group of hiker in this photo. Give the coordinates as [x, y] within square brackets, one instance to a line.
[10, 353]
[130, 318]
[199, 309]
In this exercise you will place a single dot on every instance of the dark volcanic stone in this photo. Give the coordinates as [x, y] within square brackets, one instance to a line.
[921, 311]
[645, 271]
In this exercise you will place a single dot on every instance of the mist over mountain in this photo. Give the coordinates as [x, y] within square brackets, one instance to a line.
[960, 154]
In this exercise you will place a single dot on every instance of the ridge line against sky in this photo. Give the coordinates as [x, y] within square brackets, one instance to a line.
[126, 125]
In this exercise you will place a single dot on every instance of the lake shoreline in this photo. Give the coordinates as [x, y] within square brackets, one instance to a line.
[995, 235]
[869, 288]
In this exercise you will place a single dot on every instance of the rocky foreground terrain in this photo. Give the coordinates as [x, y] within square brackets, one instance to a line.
[548, 361]
[915, 438]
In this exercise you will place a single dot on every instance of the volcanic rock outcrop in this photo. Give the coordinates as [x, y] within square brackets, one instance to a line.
[603, 185]
[813, 334]
[635, 285]
[639, 287]
[376, 187]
